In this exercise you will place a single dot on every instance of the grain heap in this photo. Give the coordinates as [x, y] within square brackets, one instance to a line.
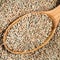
[29, 32]
[9, 12]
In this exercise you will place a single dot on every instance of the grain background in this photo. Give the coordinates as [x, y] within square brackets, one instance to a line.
[49, 52]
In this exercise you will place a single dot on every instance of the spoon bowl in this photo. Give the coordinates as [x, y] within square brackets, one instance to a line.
[53, 14]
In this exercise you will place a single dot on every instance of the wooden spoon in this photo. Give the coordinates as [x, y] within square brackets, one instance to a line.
[53, 14]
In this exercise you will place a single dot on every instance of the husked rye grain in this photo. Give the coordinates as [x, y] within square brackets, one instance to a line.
[50, 52]
[29, 32]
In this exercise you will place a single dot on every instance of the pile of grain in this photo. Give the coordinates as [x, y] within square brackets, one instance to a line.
[8, 13]
[29, 32]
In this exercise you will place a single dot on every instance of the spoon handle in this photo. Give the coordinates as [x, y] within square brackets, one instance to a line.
[55, 13]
